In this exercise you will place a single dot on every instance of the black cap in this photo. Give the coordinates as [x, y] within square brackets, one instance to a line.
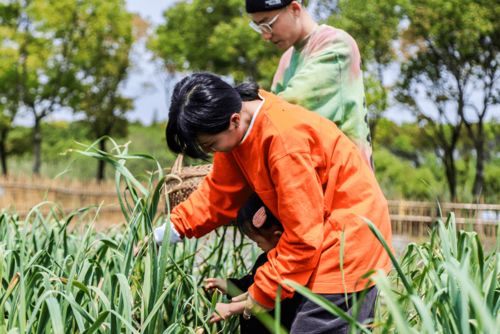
[254, 6]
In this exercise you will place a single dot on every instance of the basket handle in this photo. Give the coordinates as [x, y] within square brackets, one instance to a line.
[175, 172]
[176, 168]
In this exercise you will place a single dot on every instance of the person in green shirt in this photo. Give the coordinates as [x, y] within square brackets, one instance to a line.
[320, 68]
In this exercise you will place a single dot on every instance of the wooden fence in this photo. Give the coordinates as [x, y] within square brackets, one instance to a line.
[20, 195]
[408, 217]
[415, 218]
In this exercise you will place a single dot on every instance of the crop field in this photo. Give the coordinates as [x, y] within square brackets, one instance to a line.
[54, 279]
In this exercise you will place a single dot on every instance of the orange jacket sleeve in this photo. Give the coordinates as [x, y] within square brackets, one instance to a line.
[299, 197]
[216, 201]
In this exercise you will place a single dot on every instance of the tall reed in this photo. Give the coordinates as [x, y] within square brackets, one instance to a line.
[54, 279]
[57, 281]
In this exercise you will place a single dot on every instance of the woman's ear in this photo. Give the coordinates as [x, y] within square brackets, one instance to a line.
[234, 121]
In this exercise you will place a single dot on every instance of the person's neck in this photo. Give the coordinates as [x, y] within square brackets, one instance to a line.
[247, 112]
[309, 27]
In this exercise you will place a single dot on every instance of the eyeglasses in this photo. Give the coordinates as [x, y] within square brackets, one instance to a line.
[262, 28]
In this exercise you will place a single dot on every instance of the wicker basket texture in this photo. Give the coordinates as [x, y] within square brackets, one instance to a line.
[182, 181]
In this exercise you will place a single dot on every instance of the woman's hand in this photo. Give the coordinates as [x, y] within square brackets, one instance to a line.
[216, 283]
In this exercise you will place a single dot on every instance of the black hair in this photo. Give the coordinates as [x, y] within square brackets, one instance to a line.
[245, 217]
[203, 103]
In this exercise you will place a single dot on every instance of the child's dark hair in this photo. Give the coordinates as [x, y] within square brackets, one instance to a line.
[203, 103]
[245, 217]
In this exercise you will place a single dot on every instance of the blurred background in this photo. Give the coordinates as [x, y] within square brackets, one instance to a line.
[73, 71]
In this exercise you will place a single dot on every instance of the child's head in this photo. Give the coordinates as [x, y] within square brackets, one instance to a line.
[266, 236]
[204, 115]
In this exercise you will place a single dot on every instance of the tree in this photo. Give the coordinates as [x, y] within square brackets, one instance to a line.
[213, 36]
[45, 36]
[403, 141]
[102, 61]
[68, 51]
[374, 26]
[9, 76]
[451, 77]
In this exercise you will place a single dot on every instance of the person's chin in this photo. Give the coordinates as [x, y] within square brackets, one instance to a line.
[282, 45]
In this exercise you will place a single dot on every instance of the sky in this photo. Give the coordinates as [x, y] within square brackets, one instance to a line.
[149, 9]
[146, 82]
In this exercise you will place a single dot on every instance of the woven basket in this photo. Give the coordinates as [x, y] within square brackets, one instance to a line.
[182, 181]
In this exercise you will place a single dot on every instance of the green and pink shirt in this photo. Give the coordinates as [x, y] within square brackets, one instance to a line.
[324, 75]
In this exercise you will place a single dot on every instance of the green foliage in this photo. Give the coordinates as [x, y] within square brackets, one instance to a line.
[373, 24]
[407, 166]
[19, 142]
[64, 54]
[213, 36]
[9, 76]
[55, 280]
[103, 63]
[62, 136]
[150, 139]
[399, 178]
[491, 184]
[450, 76]
[405, 163]
[402, 140]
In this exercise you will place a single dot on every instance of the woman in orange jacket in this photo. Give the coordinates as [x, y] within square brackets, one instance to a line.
[305, 170]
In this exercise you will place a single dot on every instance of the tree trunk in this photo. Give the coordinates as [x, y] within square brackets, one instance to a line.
[37, 146]
[451, 174]
[3, 152]
[101, 165]
[479, 178]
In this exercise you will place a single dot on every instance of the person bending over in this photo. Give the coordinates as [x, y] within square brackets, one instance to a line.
[307, 173]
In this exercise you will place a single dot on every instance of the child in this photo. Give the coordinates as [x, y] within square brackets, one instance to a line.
[266, 237]
[308, 174]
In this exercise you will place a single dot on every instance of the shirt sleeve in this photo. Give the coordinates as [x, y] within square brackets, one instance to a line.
[299, 201]
[216, 201]
[242, 284]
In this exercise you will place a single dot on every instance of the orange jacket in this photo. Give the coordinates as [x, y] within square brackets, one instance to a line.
[313, 179]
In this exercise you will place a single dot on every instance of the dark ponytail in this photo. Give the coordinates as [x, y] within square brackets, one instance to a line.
[203, 103]
[248, 91]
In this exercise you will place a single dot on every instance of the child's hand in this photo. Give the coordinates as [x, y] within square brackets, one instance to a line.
[222, 312]
[216, 283]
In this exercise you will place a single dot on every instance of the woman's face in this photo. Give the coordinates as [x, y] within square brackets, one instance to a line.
[223, 141]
